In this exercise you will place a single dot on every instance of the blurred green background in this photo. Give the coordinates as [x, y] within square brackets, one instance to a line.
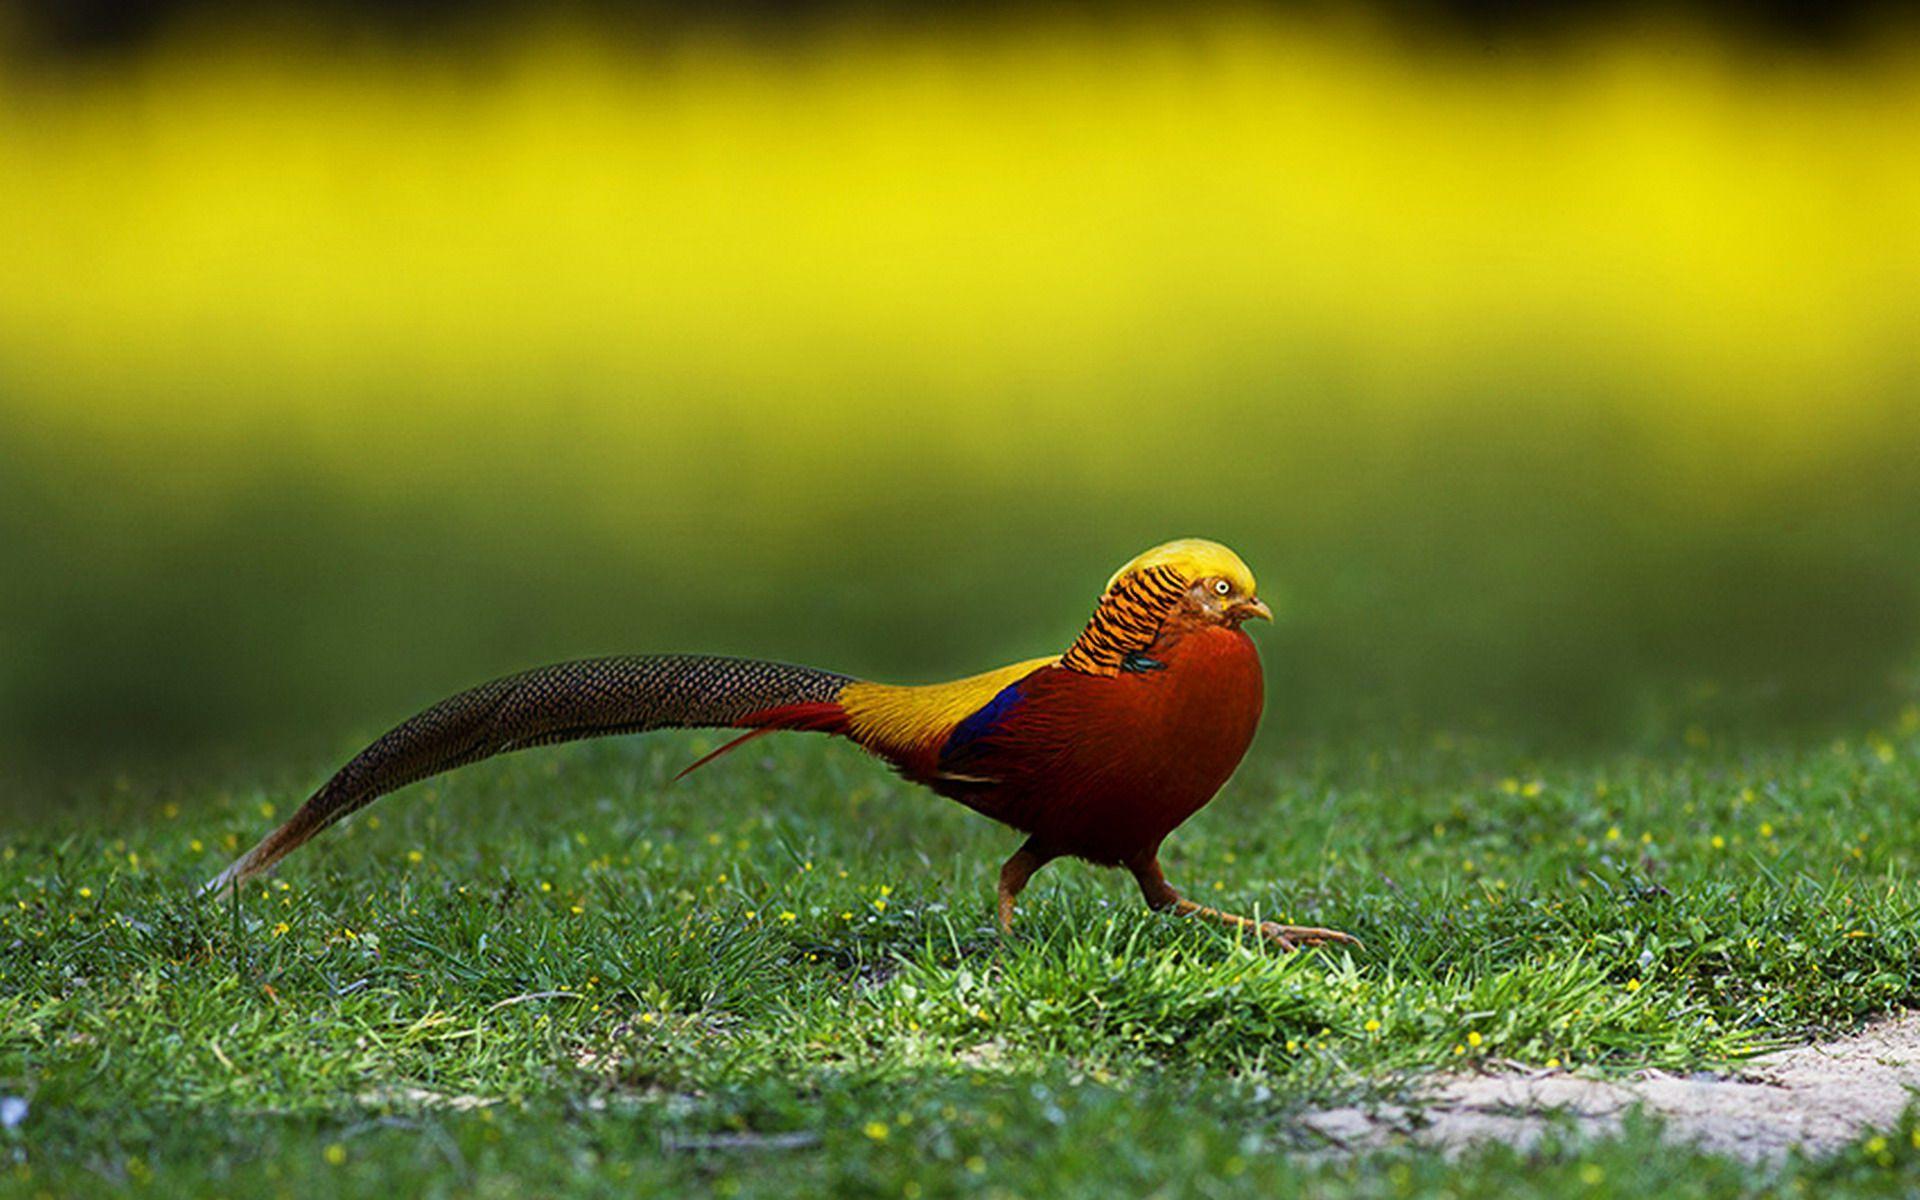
[1564, 388]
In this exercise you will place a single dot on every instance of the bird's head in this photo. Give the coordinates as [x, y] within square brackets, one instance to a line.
[1172, 589]
[1215, 587]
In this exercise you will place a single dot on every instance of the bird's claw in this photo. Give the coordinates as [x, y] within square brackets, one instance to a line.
[1293, 937]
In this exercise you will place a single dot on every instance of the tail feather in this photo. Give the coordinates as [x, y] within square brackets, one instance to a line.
[561, 703]
[821, 716]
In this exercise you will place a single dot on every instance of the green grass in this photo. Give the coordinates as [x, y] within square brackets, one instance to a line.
[559, 972]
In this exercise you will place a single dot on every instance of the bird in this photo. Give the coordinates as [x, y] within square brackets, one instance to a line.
[1096, 753]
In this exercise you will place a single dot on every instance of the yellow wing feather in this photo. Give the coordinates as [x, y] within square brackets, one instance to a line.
[883, 716]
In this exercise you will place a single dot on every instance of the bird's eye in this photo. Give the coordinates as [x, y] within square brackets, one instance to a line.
[1222, 587]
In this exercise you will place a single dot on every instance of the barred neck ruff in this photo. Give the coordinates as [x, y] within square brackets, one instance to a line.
[1128, 619]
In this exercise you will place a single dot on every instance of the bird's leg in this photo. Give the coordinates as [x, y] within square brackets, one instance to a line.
[1014, 875]
[1161, 896]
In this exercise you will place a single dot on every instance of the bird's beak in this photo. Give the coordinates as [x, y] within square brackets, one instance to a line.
[1251, 607]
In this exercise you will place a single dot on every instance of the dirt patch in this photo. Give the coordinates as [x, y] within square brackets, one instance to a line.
[1817, 1098]
[413, 1097]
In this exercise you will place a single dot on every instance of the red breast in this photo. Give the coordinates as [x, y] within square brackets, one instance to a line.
[1104, 767]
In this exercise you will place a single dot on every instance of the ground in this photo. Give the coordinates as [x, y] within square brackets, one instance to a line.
[560, 972]
[1814, 1098]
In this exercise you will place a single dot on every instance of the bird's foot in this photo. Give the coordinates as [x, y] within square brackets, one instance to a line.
[1293, 937]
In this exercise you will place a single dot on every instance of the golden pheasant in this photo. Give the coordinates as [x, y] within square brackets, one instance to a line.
[1097, 753]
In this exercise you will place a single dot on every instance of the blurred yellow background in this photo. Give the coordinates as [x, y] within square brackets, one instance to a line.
[1552, 386]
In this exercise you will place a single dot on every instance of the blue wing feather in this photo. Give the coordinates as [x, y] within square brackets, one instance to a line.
[981, 724]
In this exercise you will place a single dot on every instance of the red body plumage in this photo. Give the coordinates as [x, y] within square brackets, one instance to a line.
[1099, 767]
[1104, 767]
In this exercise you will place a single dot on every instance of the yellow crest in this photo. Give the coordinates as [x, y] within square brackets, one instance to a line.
[1191, 558]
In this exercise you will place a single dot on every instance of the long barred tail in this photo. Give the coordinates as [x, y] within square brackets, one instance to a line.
[561, 703]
